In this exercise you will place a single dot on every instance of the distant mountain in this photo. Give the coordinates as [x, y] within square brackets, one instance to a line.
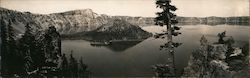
[76, 21]
[115, 30]
[243, 20]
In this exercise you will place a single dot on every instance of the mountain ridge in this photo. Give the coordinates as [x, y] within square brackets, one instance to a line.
[71, 22]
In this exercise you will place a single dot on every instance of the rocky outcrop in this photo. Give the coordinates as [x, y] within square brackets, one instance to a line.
[211, 61]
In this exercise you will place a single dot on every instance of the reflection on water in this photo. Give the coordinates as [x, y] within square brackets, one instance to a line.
[136, 58]
[117, 46]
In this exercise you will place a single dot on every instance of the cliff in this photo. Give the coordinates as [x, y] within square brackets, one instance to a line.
[75, 21]
[69, 22]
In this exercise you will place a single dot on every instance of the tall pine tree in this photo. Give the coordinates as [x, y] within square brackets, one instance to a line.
[27, 47]
[11, 50]
[167, 18]
[65, 66]
[4, 51]
[10, 55]
[73, 66]
[82, 69]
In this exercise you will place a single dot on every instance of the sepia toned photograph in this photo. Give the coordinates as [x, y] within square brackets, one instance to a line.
[125, 38]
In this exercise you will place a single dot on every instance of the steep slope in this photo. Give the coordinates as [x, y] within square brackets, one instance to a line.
[69, 22]
[117, 30]
[18, 19]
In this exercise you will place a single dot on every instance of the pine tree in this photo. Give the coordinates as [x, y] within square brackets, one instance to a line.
[11, 49]
[65, 66]
[27, 48]
[10, 55]
[167, 18]
[3, 36]
[73, 66]
[82, 65]
[35, 45]
[4, 51]
[82, 69]
[52, 43]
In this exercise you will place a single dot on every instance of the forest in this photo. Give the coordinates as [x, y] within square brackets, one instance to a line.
[36, 54]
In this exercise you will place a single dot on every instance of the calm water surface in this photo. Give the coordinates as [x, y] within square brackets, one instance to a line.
[136, 59]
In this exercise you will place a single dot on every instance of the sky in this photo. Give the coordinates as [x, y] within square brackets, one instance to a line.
[145, 8]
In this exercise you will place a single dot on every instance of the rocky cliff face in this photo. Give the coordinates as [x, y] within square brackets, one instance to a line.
[67, 22]
[71, 22]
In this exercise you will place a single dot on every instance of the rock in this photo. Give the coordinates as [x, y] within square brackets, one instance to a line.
[236, 52]
[218, 51]
[210, 61]
[220, 64]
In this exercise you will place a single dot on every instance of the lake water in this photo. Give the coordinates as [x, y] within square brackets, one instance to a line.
[137, 58]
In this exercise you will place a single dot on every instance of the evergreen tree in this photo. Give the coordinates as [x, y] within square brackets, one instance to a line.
[167, 18]
[27, 47]
[82, 65]
[65, 66]
[3, 36]
[52, 43]
[4, 51]
[12, 54]
[38, 55]
[82, 69]
[73, 66]
[36, 46]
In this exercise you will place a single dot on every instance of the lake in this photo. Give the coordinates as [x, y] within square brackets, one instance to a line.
[136, 58]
